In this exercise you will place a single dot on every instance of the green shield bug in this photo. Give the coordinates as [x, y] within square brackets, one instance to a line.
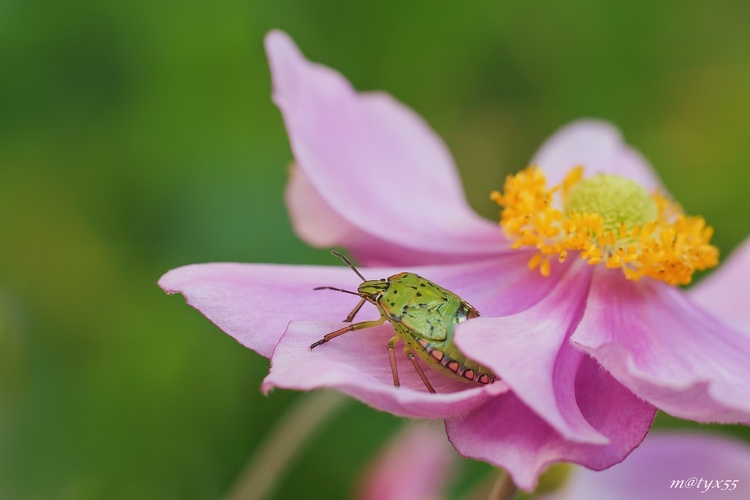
[424, 315]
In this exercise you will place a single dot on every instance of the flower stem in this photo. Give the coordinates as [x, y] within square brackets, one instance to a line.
[504, 488]
[283, 444]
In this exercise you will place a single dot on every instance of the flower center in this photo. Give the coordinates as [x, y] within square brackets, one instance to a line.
[607, 220]
[618, 200]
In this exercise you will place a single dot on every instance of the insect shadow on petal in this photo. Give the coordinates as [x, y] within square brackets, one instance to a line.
[424, 316]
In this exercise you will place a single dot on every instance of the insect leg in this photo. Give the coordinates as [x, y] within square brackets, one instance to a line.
[417, 367]
[350, 328]
[355, 311]
[392, 357]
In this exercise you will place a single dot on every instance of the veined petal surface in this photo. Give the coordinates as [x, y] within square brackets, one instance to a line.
[667, 349]
[508, 433]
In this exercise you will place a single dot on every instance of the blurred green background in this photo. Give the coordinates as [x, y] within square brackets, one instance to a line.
[139, 136]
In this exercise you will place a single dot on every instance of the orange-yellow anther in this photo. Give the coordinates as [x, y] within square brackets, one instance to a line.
[659, 242]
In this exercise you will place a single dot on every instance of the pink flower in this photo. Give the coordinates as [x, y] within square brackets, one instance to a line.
[417, 464]
[584, 351]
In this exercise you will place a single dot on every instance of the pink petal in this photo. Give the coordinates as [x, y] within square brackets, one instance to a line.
[666, 349]
[255, 302]
[531, 353]
[599, 147]
[313, 219]
[505, 432]
[664, 459]
[415, 466]
[357, 364]
[723, 291]
[321, 226]
[373, 161]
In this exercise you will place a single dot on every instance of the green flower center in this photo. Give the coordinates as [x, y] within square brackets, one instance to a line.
[616, 199]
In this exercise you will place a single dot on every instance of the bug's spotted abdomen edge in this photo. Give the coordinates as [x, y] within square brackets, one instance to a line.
[440, 358]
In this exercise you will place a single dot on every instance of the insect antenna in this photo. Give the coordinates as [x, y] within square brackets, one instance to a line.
[337, 289]
[348, 263]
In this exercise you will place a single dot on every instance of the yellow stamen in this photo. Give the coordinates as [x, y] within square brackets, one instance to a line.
[609, 221]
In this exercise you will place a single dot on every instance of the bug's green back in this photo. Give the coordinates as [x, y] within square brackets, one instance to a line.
[421, 306]
[425, 315]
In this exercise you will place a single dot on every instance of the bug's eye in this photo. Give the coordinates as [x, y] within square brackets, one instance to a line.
[383, 280]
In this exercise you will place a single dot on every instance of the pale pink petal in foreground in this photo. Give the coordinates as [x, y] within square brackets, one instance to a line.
[531, 353]
[666, 349]
[357, 364]
[667, 466]
[416, 465]
[374, 162]
[255, 302]
[507, 433]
